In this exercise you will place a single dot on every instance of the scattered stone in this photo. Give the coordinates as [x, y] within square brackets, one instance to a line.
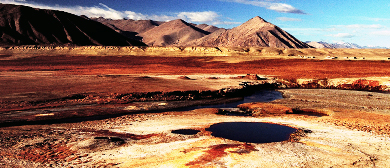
[250, 77]
[233, 112]
[185, 77]
[313, 112]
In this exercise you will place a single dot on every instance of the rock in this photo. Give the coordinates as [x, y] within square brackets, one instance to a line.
[260, 109]
[314, 112]
[233, 112]
[250, 77]
[184, 77]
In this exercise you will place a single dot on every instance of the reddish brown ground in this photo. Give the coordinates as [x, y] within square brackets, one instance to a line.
[61, 82]
[24, 80]
[291, 68]
[362, 121]
[218, 151]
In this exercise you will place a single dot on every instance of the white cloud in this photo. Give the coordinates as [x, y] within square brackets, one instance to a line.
[361, 26]
[207, 16]
[278, 7]
[338, 28]
[95, 11]
[381, 33]
[286, 19]
[342, 35]
[225, 23]
[135, 16]
[375, 19]
[284, 8]
[103, 10]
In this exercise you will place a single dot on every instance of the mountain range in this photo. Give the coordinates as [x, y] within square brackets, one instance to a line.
[322, 44]
[254, 33]
[21, 25]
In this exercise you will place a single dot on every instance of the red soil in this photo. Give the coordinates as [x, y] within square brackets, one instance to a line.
[290, 68]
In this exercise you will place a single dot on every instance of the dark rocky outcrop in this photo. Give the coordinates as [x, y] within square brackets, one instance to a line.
[128, 27]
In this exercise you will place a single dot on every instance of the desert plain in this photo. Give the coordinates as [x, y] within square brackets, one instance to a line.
[119, 106]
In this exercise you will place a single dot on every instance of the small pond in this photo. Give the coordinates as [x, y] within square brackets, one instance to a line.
[185, 131]
[251, 132]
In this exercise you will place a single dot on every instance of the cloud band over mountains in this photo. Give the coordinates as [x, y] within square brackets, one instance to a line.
[278, 7]
[103, 10]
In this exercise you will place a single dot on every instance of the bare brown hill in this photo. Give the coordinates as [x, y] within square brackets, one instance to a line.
[172, 33]
[209, 28]
[128, 27]
[255, 32]
[21, 25]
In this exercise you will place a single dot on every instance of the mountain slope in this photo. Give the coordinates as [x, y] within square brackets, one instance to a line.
[208, 28]
[322, 44]
[172, 33]
[255, 32]
[319, 44]
[21, 25]
[129, 28]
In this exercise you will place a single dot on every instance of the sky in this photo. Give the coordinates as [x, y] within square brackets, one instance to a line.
[364, 22]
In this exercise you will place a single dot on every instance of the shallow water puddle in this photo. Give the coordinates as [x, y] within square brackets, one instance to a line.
[252, 132]
[185, 131]
[257, 96]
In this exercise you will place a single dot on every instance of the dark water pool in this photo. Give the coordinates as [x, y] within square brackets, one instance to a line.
[185, 131]
[251, 132]
[257, 96]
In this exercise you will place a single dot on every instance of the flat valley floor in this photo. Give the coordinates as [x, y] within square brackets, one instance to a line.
[353, 133]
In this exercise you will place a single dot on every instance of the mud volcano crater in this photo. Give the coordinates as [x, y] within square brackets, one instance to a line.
[251, 132]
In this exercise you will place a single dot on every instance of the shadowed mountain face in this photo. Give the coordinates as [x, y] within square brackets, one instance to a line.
[21, 25]
[129, 28]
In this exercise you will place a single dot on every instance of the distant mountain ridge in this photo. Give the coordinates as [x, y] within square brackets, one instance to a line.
[157, 33]
[322, 44]
[172, 33]
[22, 25]
[254, 33]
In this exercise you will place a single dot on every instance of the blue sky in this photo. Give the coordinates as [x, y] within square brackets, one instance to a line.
[363, 22]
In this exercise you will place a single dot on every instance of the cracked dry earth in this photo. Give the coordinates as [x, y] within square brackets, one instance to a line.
[339, 139]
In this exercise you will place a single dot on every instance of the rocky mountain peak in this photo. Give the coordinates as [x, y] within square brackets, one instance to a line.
[256, 32]
[257, 19]
[253, 25]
